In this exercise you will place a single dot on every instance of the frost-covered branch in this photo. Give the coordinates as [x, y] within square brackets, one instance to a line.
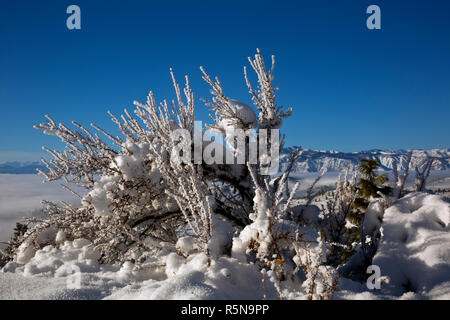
[400, 180]
[85, 156]
[271, 115]
[422, 174]
[337, 207]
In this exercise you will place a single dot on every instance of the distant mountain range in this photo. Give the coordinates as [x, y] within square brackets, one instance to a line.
[21, 167]
[316, 161]
[311, 160]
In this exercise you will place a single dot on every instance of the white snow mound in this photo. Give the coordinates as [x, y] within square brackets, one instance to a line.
[414, 250]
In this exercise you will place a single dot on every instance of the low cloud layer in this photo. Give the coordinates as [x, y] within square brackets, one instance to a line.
[20, 196]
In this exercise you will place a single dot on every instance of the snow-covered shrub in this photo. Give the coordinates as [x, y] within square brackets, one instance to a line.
[352, 216]
[8, 253]
[140, 190]
[321, 279]
[280, 246]
[146, 189]
[143, 192]
[338, 205]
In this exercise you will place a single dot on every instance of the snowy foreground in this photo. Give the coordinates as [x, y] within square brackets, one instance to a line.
[413, 256]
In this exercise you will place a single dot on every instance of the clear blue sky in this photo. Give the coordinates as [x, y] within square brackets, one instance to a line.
[351, 88]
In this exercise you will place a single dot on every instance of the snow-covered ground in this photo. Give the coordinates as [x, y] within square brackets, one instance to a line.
[414, 259]
[415, 248]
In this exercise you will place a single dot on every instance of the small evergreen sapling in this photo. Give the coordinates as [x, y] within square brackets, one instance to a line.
[370, 186]
[8, 253]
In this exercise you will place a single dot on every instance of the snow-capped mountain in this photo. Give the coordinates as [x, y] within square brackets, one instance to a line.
[17, 167]
[316, 161]
[312, 160]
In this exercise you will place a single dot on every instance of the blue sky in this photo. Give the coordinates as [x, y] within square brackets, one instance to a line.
[351, 88]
